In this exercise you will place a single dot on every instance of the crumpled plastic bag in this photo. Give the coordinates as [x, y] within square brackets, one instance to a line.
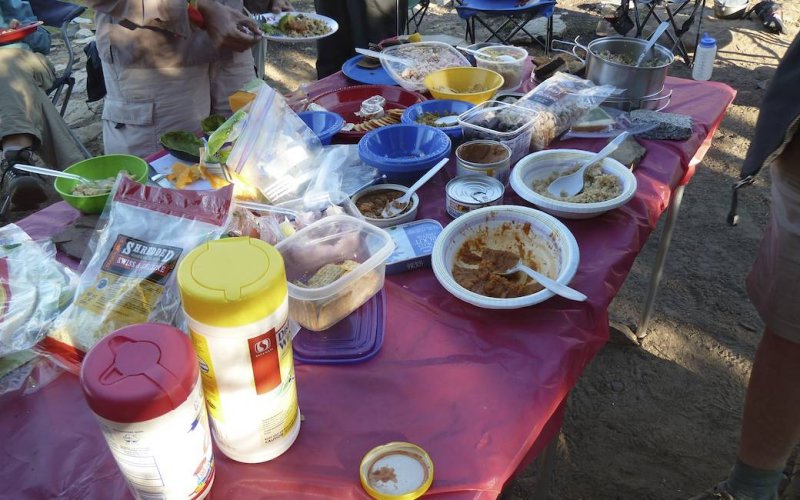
[34, 289]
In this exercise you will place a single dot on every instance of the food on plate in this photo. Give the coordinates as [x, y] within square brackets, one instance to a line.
[182, 175]
[547, 66]
[372, 204]
[594, 120]
[328, 273]
[430, 118]
[425, 59]
[667, 126]
[13, 24]
[179, 140]
[296, 26]
[598, 186]
[629, 60]
[391, 117]
[472, 89]
[372, 108]
[478, 270]
[96, 187]
[212, 123]
[368, 62]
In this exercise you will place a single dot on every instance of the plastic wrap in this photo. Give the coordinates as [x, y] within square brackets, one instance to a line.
[34, 289]
[340, 170]
[275, 152]
[560, 101]
[130, 278]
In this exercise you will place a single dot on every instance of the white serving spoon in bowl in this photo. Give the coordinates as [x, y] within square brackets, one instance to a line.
[572, 184]
[396, 207]
[501, 58]
[551, 284]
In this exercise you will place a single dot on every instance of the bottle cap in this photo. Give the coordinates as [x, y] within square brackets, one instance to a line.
[396, 471]
[232, 282]
[707, 41]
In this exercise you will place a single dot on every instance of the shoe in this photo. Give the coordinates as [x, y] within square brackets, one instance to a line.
[19, 188]
[771, 16]
[718, 492]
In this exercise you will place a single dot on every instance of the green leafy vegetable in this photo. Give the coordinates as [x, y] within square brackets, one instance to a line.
[180, 140]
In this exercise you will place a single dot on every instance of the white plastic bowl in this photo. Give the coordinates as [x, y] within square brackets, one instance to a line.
[543, 163]
[407, 216]
[548, 239]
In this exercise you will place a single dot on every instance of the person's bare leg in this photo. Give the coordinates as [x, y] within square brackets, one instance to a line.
[17, 141]
[771, 422]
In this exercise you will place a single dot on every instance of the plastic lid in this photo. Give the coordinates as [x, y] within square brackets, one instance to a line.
[707, 41]
[356, 338]
[232, 282]
[396, 471]
[139, 372]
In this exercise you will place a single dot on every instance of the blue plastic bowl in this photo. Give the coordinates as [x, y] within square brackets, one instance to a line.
[324, 123]
[404, 152]
[443, 107]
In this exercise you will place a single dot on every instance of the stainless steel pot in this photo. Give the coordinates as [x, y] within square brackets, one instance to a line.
[636, 84]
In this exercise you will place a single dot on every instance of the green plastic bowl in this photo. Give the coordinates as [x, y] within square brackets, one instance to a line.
[97, 168]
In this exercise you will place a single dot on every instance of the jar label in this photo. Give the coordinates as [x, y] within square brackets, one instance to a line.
[207, 376]
[265, 362]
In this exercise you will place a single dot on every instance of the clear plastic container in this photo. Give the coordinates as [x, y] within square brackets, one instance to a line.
[511, 71]
[334, 240]
[426, 57]
[499, 121]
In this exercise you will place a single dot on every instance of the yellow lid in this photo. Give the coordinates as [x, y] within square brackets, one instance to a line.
[232, 282]
[396, 471]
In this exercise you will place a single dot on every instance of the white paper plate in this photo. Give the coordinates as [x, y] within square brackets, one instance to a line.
[274, 18]
[548, 236]
[544, 163]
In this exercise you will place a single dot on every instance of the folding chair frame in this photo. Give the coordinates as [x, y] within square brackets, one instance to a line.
[518, 25]
[677, 34]
[417, 14]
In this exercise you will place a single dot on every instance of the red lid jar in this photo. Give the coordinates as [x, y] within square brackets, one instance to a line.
[139, 373]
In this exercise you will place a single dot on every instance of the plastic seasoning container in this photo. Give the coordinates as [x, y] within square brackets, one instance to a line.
[143, 384]
[704, 58]
[396, 471]
[235, 298]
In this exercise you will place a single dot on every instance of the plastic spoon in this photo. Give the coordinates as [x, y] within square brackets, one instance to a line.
[447, 121]
[385, 57]
[501, 58]
[652, 41]
[572, 184]
[552, 285]
[397, 206]
[53, 173]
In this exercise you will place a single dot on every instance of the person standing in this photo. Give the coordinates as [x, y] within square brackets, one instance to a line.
[771, 418]
[165, 70]
[360, 22]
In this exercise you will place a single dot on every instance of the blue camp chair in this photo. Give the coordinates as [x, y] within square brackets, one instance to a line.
[499, 15]
[57, 14]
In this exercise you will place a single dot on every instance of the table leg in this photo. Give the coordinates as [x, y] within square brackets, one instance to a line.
[658, 267]
[545, 470]
[260, 57]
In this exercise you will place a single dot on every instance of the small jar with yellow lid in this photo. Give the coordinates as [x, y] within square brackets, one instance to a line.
[235, 298]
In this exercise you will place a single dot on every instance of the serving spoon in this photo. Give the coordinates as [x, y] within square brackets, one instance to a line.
[551, 284]
[652, 41]
[396, 207]
[447, 121]
[572, 184]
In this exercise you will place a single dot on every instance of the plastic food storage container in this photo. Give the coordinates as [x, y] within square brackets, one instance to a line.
[338, 241]
[511, 71]
[498, 121]
[425, 58]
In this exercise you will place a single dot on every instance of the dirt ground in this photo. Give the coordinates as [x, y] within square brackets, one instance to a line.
[658, 420]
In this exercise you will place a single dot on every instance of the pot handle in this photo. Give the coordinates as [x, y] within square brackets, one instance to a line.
[575, 46]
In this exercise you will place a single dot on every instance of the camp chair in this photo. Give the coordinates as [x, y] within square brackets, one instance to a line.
[416, 12]
[58, 14]
[671, 9]
[510, 15]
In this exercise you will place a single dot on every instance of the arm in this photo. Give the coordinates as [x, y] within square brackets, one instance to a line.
[228, 28]
[167, 14]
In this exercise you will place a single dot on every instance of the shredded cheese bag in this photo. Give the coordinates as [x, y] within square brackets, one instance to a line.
[130, 277]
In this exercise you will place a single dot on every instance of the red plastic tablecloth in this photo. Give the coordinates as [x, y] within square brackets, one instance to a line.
[480, 390]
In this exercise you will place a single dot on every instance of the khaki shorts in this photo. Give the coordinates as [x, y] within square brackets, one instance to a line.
[774, 280]
[144, 103]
